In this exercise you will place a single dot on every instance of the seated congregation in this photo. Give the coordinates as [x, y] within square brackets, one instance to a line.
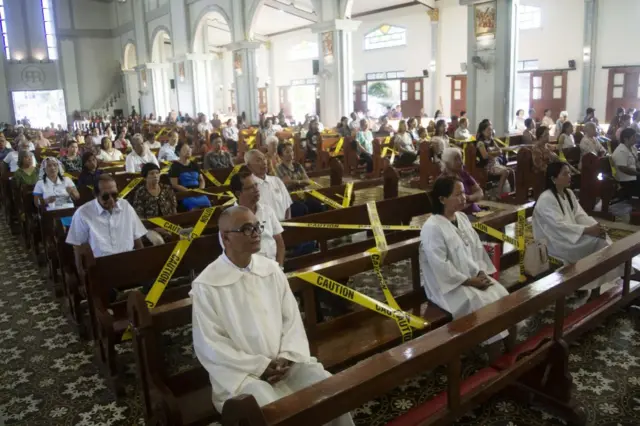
[273, 247]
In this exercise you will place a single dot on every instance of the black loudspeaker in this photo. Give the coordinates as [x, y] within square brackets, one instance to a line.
[316, 66]
[572, 64]
[425, 73]
[172, 83]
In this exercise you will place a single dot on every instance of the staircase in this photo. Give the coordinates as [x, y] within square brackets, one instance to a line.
[114, 99]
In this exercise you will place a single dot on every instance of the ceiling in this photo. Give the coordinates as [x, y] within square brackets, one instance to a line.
[218, 33]
[271, 20]
[362, 6]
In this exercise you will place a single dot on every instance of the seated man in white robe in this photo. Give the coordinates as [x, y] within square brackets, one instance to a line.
[568, 232]
[247, 330]
[455, 269]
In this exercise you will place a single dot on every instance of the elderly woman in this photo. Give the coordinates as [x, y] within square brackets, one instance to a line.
[122, 142]
[139, 156]
[273, 160]
[454, 266]
[153, 199]
[462, 132]
[168, 150]
[364, 145]
[108, 153]
[547, 121]
[90, 173]
[72, 162]
[403, 143]
[230, 135]
[185, 175]
[217, 158]
[488, 154]
[452, 166]
[11, 159]
[27, 173]
[590, 143]
[54, 188]
[564, 117]
[295, 178]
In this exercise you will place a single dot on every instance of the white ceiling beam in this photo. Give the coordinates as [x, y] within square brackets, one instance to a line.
[292, 10]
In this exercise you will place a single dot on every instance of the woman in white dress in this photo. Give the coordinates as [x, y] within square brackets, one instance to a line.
[455, 269]
[568, 232]
[518, 123]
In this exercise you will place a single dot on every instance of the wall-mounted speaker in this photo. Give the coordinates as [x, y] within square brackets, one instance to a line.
[316, 66]
[172, 83]
[425, 73]
[572, 64]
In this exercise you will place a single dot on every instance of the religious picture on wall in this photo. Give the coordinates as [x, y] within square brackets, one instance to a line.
[237, 63]
[143, 77]
[181, 71]
[485, 22]
[327, 47]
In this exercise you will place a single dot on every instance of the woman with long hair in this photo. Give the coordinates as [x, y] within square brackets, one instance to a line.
[404, 145]
[488, 154]
[559, 220]
[440, 140]
[90, 173]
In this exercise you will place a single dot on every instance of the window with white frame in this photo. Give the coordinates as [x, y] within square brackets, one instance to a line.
[385, 36]
[389, 75]
[3, 25]
[49, 30]
[529, 17]
[527, 65]
[304, 50]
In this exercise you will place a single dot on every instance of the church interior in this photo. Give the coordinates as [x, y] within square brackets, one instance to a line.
[319, 212]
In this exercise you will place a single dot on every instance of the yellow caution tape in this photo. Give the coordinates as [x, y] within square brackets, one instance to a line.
[219, 195]
[350, 226]
[334, 287]
[336, 151]
[613, 165]
[127, 189]
[520, 226]
[495, 233]
[348, 191]
[378, 233]
[165, 224]
[251, 141]
[505, 144]
[562, 157]
[235, 170]
[160, 133]
[328, 201]
[70, 176]
[171, 265]
[209, 176]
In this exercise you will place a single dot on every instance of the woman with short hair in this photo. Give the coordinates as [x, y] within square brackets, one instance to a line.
[90, 172]
[185, 175]
[108, 153]
[452, 166]
[217, 158]
[364, 145]
[153, 199]
[72, 162]
[272, 154]
[27, 173]
[403, 143]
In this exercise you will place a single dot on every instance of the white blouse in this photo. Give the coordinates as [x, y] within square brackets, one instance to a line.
[47, 188]
[115, 155]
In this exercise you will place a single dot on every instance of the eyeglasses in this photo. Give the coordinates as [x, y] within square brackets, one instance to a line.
[248, 229]
[105, 197]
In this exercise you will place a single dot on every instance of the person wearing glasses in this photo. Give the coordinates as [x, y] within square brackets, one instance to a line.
[108, 225]
[245, 188]
[247, 329]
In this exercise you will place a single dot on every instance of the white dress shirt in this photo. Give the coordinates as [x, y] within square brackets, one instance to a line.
[230, 132]
[167, 153]
[12, 160]
[115, 155]
[274, 194]
[267, 217]
[623, 156]
[97, 139]
[134, 162]
[48, 188]
[107, 233]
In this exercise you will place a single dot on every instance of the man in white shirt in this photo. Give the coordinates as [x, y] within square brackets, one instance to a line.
[589, 142]
[11, 159]
[273, 192]
[230, 132]
[244, 187]
[354, 124]
[247, 329]
[95, 137]
[168, 150]
[625, 158]
[139, 156]
[108, 225]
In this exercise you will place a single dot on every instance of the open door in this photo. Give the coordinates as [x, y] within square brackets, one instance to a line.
[411, 96]
[623, 91]
[284, 102]
[548, 90]
[262, 100]
[360, 96]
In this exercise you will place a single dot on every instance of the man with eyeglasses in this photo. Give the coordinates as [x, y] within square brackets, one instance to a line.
[247, 329]
[107, 224]
[245, 188]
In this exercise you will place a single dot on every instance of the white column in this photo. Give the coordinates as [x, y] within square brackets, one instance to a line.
[434, 66]
[182, 69]
[491, 66]
[589, 53]
[272, 93]
[336, 68]
[246, 78]
[145, 84]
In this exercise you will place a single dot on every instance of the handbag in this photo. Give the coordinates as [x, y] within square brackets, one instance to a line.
[536, 258]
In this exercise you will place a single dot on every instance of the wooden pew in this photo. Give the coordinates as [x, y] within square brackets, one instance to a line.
[335, 343]
[592, 188]
[537, 367]
[429, 169]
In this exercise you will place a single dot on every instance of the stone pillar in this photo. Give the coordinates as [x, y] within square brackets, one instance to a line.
[435, 65]
[589, 52]
[131, 88]
[336, 68]
[246, 78]
[491, 63]
[272, 94]
[182, 67]
[145, 88]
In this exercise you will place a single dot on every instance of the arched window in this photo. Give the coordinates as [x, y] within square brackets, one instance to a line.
[385, 36]
[304, 50]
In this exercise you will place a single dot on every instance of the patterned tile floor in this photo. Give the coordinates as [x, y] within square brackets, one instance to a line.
[47, 376]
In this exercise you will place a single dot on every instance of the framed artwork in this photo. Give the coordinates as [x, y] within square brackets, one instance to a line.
[327, 47]
[237, 63]
[485, 19]
[181, 71]
[143, 77]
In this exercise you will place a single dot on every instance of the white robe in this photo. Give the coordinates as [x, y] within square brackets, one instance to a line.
[242, 320]
[563, 233]
[450, 256]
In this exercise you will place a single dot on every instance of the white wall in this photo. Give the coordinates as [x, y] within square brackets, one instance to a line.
[124, 12]
[97, 69]
[617, 28]
[93, 15]
[286, 70]
[452, 35]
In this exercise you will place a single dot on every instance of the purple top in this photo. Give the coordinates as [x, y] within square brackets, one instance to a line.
[469, 182]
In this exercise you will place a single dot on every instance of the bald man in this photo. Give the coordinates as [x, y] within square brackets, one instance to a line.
[247, 330]
[273, 192]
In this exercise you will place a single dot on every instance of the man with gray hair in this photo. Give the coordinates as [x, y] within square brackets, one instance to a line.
[273, 192]
[11, 159]
[590, 142]
[139, 156]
